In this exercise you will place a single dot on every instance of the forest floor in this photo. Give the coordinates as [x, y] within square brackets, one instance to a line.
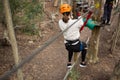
[50, 64]
[107, 59]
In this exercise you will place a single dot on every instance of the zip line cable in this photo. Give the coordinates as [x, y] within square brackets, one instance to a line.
[37, 51]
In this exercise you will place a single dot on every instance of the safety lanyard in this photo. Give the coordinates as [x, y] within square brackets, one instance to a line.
[88, 17]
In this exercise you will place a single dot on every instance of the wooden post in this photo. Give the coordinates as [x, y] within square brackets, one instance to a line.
[12, 36]
[94, 40]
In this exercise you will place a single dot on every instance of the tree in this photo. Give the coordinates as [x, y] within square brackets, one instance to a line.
[74, 9]
[116, 34]
[94, 40]
[55, 3]
[66, 1]
[26, 15]
[12, 36]
[116, 71]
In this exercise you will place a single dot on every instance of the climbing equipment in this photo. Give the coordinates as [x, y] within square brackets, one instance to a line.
[86, 21]
[65, 8]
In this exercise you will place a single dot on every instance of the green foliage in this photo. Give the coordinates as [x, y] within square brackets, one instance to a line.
[30, 30]
[27, 13]
[74, 75]
[33, 10]
[15, 5]
[33, 14]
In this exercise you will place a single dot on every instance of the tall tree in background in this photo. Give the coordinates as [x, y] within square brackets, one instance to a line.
[74, 9]
[12, 36]
[66, 1]
[116, 71]
[55, 3]
[116, 34]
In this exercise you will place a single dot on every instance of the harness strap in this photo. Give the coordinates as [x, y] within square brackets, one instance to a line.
[88, 17]
[73, 42]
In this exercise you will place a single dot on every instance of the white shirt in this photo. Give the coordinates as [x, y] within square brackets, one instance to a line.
[73, 32]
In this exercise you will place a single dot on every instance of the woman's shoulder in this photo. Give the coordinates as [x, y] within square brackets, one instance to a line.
[60, 21]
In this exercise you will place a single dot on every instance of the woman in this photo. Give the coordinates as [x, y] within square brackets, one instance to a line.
[72, 35]
[108, 6]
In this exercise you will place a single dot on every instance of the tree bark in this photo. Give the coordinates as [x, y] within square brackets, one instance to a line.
[94, 40]
[116, 35]
[12, 36]
[116, 72]
[55, 3]
[74, 9]
[65, 1]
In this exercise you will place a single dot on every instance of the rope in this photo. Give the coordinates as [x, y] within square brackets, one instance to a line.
[35, 52]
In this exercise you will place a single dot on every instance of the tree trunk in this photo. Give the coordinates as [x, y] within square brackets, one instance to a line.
[116, 35]
[55, 3]
[12, 36]
[94, 40]
[74, 9]
[69, 1]
[65, 1]
[116, 72]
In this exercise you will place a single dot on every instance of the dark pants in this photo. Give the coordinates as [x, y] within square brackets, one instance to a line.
[107, 13]
[76, 48]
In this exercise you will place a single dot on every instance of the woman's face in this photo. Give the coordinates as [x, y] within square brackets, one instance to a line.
[66, 16]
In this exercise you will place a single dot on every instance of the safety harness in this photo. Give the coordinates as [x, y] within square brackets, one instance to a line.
[87, 18]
